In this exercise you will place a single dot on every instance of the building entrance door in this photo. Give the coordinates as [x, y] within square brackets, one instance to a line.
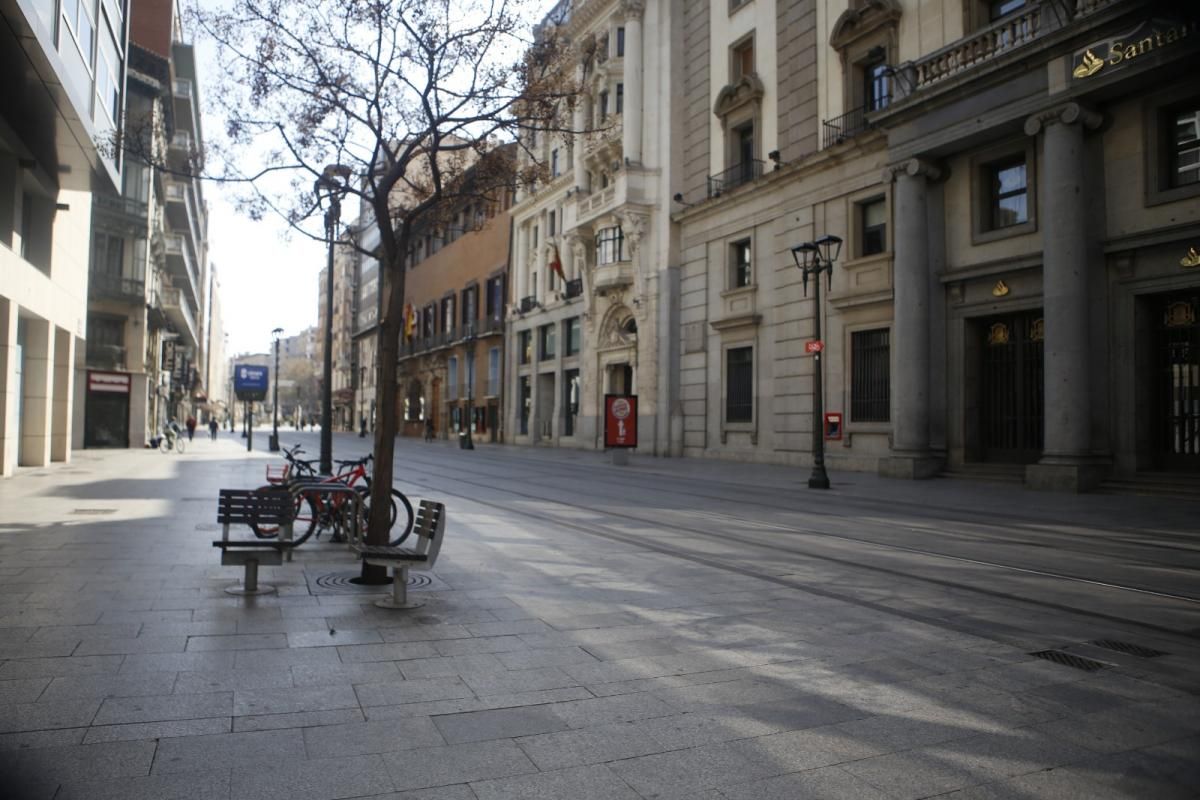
[1177, 381]
[1011, 402]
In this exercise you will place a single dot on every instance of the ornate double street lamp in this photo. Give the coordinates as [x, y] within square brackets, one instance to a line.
[813, 258]
[330, 188]
[274, 443]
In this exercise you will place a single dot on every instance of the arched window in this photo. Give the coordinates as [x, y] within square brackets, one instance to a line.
[414, 403]
[610, 246]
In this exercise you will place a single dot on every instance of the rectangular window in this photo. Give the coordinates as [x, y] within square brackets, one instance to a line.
[448, 315]
[495, 297]
[452, 378]
[1185, 149]
[870, 379]
[552, 221]
[571, 389]
[620, 97]
[493, 386]
[1008, 193]
[620, 42]
[524, 347]
[873, 222]
[526, 390]
[877, 88]
[740, 274]
[739, 384]
[547, 342]
[1002, 8]
[742, 60]
[610, 246]
[78, 16]
[553, 168]
[604, 105]
[430, 320]
[572, 337]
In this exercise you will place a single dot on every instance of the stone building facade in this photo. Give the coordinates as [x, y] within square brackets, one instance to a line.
[595, 261]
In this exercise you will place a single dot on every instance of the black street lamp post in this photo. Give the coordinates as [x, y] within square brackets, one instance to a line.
[469, 366]
[274, 443]
[331, 186]
[813, 258]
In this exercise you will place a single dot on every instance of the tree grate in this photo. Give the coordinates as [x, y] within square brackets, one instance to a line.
[1129, 649]
[343, 582]
[1069, 660]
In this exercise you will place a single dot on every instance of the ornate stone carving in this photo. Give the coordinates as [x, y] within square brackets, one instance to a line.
[914, 167]
[633, 226]
[633, 9]
[748, 89]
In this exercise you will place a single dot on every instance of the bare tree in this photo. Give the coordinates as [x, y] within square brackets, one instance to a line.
[405, 96]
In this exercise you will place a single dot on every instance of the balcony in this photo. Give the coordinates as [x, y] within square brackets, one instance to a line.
[596, 201]
[613, 276]
[124, 210]
[182, 264]
[181, 152]
[528, 304]
[573, 288]
[492, 325]
[185, 104]
[1000, 38]
[735, 176]
[847, 126]
[105, 356]
[178, 311]
[115, 287]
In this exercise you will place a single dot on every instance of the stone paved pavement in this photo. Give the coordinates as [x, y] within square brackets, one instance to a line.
[546, 663]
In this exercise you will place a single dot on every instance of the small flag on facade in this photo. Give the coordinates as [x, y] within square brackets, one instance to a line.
[556, 263]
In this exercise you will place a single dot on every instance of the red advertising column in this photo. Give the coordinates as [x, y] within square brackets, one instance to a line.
[620, 420]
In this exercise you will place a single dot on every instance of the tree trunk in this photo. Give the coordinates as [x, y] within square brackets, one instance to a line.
[379, 528]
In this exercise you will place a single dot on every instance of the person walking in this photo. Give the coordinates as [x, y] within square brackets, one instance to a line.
[212, 428]
[191, 427]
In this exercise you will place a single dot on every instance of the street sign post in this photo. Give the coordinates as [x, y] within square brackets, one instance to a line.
[620, 420]
[250, 385]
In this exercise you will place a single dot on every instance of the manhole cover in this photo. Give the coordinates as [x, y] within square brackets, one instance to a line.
[1129, 649]
[93, 511]
[1070, 660]
[344, 582]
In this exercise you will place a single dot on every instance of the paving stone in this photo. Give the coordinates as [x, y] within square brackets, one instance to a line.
[42, 716]
[401, 651]
[149, 644]
[683, 771]
[345, 674]
[283, 660]
[23, 690]
[458, 763]
[603, 710]
[423, 633]
[794, 751]
[617, 651]
[26, 740]
[332, 638]
[124, 710]
[594, 745]
[1116, 730]
[595, 782]
[228, 680]
[286, 701]
[376, 736]
[304, 719]
[55, 667]
[451, 665]
[486, 644]
[238, 641]
[177, 662]
[77, 763]
[911, 775]
[316, 779]
[411, 691]
[78, 633]
[530, 659]
[208, 628]
[830, 783]
[522, 680]
[156, 730]
[465, 704]
[75, 687]
[508, 628]
[505, 723]
[233, 750]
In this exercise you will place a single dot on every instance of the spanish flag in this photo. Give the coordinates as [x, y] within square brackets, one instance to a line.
[410, 321]
[556, 263]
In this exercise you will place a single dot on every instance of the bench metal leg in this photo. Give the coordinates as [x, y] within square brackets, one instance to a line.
[250, 585]
[399, 596]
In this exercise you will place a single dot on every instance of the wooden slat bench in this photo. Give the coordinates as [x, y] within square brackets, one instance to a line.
[428, 531]
[254, 507]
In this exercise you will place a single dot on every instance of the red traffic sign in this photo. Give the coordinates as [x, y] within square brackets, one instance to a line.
[814, 347]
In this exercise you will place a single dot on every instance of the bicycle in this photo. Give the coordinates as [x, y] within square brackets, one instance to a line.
[317, 511]
[171, 441]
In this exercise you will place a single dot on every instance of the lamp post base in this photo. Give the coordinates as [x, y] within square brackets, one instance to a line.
[819, 478]
[273, 443]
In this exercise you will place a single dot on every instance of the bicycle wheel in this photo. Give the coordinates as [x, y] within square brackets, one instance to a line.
[303, 524]
[164, 444]
[398, 501]
[180, 445]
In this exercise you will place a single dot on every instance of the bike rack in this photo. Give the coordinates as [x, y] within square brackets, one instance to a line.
[322, 485]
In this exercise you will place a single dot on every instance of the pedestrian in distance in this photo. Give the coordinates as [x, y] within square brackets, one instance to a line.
[191, 427]
[429, 429]
[212, 428]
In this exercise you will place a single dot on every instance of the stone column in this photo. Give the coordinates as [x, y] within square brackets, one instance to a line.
[632, 133]
[9, 421]
[911, 455]
[1067, 461]
[578, 124]
[38, 393]
[64, 373]
[521, 265]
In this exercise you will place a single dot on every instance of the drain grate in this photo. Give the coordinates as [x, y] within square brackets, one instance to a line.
[1069, 660]
[344, 582]
[94, 511]
[1129, 649]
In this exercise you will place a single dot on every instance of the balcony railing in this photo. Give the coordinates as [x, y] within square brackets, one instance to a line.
[179, 311]
[1012, 32]
[735, 176]
[528, 304]
[492, 325]
[121, 206]
[116, 287]
[574, 288]
[847, 126]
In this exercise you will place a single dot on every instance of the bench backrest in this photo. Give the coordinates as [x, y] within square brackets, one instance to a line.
[428, 530]
[255, 507]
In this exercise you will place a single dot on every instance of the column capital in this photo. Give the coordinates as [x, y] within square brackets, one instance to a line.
[1067, 114]
[914, 168]
[633, 9]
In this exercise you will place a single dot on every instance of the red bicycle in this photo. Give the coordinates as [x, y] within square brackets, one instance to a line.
[317, 510]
